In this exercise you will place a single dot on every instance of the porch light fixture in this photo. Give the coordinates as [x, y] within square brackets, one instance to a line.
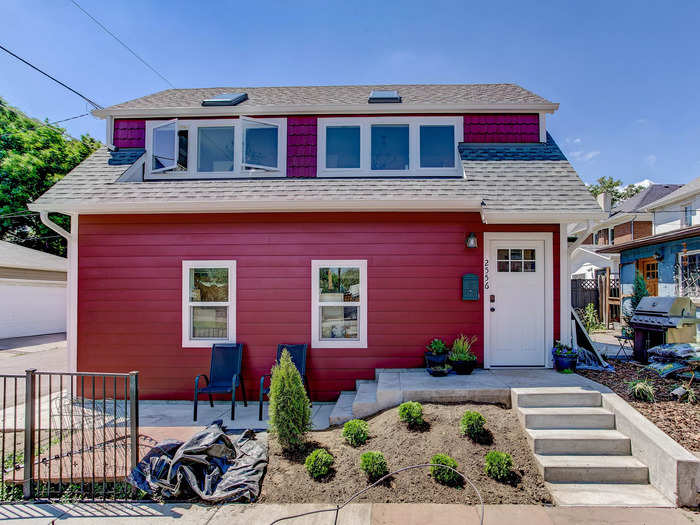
[470, 241]
[658, 256]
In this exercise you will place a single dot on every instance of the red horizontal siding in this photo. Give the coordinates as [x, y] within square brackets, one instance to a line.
[502, 128]
[129, 294]
[301, 146]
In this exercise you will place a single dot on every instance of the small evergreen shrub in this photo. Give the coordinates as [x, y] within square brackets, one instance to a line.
[642, 389]
[374, 465]
[498, 465]
[411, 412]
[356, 432]
[290, 414]
[443, 475]
[472, 425]
[318, 463]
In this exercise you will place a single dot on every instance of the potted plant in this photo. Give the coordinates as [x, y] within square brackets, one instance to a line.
[565, 357]
[440, 370]
[436, 354]
[461, 357]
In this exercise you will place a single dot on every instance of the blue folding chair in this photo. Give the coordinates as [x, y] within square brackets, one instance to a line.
[224, 375]
[298, 355]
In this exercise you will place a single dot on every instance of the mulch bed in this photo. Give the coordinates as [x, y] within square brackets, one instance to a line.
[287, 481]
[680, 420]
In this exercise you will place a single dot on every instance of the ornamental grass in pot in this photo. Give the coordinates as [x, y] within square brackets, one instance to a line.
[461, 357]
[565, 357]
[436, 354]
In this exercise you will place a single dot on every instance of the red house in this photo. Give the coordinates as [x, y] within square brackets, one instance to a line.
[363, 220]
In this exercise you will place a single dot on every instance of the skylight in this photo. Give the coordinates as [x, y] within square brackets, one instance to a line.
[225, 99]
[383, 96]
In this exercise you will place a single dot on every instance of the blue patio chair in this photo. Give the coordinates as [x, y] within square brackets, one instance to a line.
[224, 375]
[298, 355]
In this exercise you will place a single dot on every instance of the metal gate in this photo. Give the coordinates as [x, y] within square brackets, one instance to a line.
[68, 436]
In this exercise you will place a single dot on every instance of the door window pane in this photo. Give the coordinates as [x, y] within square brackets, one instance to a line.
[164, 146]
[339, 322]
[516, 266]
[389, 147]
[529, 266]
[261, 145]
[529, 255]
[215, 149]
[209, 322]
[343, 147]
[339, 284]
[437, 146]
[502, 255]
[208, 285]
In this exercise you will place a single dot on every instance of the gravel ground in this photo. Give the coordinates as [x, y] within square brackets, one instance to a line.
[680, 420]
[287, 481]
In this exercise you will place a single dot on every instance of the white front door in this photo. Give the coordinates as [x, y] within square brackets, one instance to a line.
[515, 301]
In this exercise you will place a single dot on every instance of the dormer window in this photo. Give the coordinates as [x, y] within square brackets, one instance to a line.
[216, 148]
[389, 146]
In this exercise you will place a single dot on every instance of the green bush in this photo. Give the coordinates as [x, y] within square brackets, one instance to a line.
[411, 412]
[642, 389]
[356, 432]
[437, 346]
[462, 348]
[290, 414]
[318, 463]
[472, 424]
[444, 475]
[374, 465]
[498, 465]
[589, 318]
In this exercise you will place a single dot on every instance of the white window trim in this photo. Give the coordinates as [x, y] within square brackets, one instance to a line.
[365, 124]
[192, 150]
[684, 223]
[150, 149]
[187, 340]
[316, 341]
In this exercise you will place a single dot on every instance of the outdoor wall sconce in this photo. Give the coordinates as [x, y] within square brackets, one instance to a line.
[470, 242]
[658, 256]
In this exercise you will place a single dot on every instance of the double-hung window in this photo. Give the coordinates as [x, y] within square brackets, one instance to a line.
[339, 304]
[688, 274]
[216, 148]
[389, 146]
[208, 302]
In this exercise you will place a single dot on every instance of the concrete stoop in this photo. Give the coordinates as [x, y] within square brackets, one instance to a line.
[579, 452]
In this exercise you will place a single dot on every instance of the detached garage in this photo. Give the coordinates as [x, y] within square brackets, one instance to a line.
[32, 292]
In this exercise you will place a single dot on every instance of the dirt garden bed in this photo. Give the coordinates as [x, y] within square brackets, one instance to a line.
[287, 481]
[680, 420]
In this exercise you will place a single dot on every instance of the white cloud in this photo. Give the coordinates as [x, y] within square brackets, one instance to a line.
[577, 140]
[641, 121]
[650, 161]
[584, 155]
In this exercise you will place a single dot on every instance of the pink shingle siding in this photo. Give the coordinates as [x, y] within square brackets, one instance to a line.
[129, 133]
[301, 146]
[502, 128]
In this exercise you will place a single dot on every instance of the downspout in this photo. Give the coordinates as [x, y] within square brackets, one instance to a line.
[71, 285]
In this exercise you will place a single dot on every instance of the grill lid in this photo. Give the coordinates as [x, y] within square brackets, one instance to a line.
[666, 307]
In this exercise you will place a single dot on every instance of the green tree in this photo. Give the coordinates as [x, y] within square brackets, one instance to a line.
[639, 290]
[290, 414]
[613, 188]
[33, 157]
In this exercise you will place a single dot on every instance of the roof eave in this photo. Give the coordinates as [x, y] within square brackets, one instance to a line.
[317, 109]
[653, 239]
[539, 217]
[269, 206]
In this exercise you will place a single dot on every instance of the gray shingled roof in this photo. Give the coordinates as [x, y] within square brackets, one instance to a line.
[513, 186]
[15, 256]
[468, 94]
[645, 197]
[686, 191]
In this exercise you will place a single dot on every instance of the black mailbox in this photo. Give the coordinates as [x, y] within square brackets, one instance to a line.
[470, 287]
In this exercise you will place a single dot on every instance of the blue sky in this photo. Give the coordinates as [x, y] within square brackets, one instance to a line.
[626, 74]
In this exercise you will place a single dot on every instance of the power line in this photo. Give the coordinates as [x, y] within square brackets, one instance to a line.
[149, 66]
[67, 119]
[92, 103]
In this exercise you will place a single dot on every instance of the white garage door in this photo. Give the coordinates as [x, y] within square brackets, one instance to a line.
[31, 308]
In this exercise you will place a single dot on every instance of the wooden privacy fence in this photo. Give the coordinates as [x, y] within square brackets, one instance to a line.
[583, 292]
[603, 292]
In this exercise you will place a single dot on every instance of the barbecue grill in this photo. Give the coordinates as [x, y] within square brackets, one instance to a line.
[659, 320]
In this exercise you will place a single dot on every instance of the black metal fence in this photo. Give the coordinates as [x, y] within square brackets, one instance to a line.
[68, 436]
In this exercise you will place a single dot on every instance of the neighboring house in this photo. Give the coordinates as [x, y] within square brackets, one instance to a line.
[628, 220]
[33, 292]
[669, 259]
[363, 220]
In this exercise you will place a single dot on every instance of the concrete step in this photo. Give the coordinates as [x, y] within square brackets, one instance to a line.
[607, 495]
[592, 469]
[555, 397]
[342, 411]
[566, 417]
[389, 392]
[580, 442]
[365, 403]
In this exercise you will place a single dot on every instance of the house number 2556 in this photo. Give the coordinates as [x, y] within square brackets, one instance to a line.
[486, 274]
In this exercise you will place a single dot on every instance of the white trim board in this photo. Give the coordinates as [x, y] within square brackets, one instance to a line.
[547, 237]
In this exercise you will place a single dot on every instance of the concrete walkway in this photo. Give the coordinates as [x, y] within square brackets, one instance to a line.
[353, 514]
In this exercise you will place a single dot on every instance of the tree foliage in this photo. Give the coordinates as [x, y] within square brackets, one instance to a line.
[33, 157]
[614, 188]
[290, 415]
